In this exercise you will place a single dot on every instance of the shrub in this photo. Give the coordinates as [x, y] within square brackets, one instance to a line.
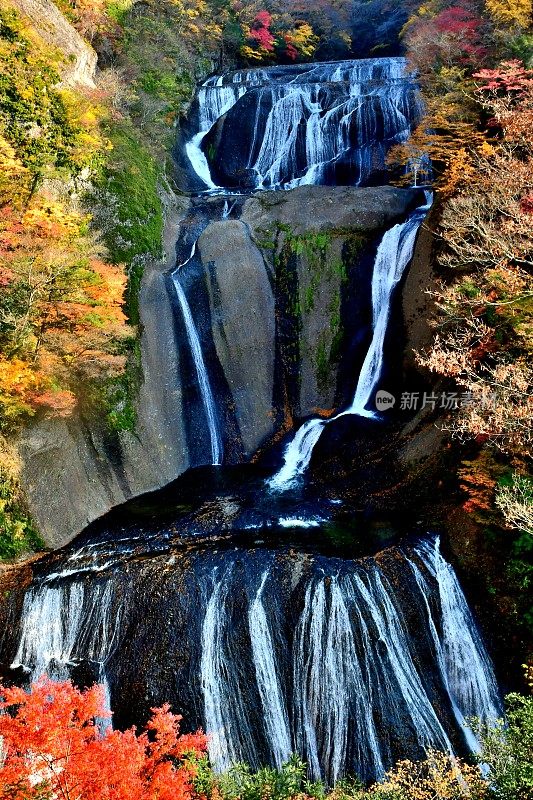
[17, 533]
[268, 784]
[54, 747]
[507, 749]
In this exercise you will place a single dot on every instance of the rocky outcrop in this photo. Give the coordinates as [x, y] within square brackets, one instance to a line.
[74, 472]
[337, 209]
[243, 322]
[319, 240]
[418, 307]
[78, 58]
[275, 284]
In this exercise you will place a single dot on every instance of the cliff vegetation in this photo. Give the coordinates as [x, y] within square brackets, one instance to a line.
[55, 748]
[475, 62]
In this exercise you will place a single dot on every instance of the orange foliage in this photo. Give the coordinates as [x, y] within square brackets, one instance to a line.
[61, 314]
[485, 317]
[90, 18]
[54, 747]
[479, 479]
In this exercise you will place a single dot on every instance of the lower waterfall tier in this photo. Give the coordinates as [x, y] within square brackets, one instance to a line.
[273, 649]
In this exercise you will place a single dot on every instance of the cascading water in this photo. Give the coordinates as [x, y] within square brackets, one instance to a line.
[62, 625]
[204, 384]
[318, 116]
[60, 622]
[274, 646]
[461, 657]
[357, 684]
[353, 664]
[268, 680]
[310, 123]
[213, 102]
[393, 255]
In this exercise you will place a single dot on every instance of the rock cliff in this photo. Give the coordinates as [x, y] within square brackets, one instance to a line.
[79, 59]
[276, 281]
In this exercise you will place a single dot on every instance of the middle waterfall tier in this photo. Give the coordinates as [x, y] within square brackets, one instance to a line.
[282, 127]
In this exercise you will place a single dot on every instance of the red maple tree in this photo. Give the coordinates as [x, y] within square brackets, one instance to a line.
[53, 746]
[260, 31]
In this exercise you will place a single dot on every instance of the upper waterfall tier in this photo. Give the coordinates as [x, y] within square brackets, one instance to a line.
[289, 126]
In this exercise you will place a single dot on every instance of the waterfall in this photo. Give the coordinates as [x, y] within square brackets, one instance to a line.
[358, 690]
[213, 102]
[311, 120]
[268, 681]
[352, 664]
[343, 623]
[226, 714]
[198, 159]
[461, 656]
[65, 624]
[349, 126]
[326, 657]
[272, 648]
[297, 455]
[393, 255]
[206, 393]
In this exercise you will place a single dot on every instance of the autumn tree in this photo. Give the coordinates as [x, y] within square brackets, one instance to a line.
[484, 322]
[61, 316]
[484, 330]
[275, 35]
[438, 776]
[331, 23]
[53, 746]
[510, 13]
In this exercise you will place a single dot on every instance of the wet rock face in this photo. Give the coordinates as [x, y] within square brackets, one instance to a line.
[273, 650]
[320, 242]
[281, 299]
[340, 209]
[277, 281]
[243, 324]
[74, 471]
[276, 289]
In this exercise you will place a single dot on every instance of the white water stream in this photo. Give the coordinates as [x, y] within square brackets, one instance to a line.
[393, 255]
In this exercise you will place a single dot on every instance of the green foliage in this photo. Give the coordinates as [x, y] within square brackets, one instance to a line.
[240, 783]
[521, 47]
[35, 114]
[204, 779]
[162, 85]
[322, 267]
[507, 749]
[120, 394]
[161, 72]
[17, 533]
[118, 9]
[132, 179]
[314, 246]
[128, 190]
